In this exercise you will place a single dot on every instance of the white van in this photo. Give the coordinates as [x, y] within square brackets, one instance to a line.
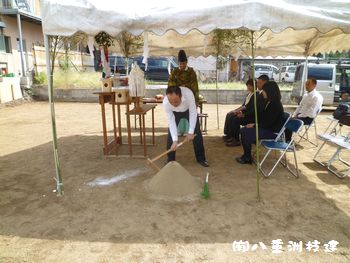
[288, 73]
[267, 69]
[332, 79]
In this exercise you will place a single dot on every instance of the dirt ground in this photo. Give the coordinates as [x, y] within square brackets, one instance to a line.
[120, 222]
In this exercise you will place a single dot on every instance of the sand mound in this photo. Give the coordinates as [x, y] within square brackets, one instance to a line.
[173, 182]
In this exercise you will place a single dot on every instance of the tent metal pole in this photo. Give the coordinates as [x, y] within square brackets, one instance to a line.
[49, 73]
[305, 71]
[304, 77]
[256, 119]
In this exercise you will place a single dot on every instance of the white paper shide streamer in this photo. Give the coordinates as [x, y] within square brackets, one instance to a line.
[136, 82]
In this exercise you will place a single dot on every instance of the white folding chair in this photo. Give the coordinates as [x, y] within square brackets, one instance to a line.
[340, 142]
[305, 134]
[332, 125]
[278, 145]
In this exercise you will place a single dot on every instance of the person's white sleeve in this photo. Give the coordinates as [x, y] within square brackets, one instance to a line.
[314, 106]
[192, 111]
[320, 102]
[171, 120]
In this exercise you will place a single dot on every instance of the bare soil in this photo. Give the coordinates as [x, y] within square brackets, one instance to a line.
[120, 222]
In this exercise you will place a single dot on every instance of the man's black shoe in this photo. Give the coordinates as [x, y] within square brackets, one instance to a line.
[204, 163]
[226, 138]
[233, 143]
[242, 160]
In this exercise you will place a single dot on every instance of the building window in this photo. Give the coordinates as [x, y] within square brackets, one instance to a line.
[5, 44]
[24, 45]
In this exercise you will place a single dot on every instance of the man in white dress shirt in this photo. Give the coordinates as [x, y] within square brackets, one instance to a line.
[309, 105]
[178, 104]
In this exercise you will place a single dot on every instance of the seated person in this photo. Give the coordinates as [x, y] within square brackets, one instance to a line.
[240, 116]
[344, 96]
[308, 107]
[270, 120]
[344, 81]
[234, 120]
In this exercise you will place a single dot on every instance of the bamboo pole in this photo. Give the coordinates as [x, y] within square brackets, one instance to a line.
[217, 95]
[58, 178]
[252, 70]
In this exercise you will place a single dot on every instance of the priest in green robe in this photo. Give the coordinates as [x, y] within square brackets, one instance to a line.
[184, 76]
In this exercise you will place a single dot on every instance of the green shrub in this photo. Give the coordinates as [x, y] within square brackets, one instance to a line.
[40, 78]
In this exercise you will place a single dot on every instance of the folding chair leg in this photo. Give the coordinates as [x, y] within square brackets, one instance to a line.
[296, 174]
[316, 134]
[329, 165]
[343, 161]
[329, 125]
[285, 163]
[305, 135]
[302, 136]
[296, 166]
[275, 165]
[265, 156]
[318, 151]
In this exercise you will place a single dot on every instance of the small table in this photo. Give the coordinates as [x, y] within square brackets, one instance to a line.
[151, 100]
[201, 102]
[106, 97]
[141, 113]
[119, 117]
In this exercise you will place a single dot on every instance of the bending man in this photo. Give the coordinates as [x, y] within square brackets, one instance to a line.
[179, 103]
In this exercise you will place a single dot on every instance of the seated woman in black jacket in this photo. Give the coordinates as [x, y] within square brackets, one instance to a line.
[240, 116]
[270, 121]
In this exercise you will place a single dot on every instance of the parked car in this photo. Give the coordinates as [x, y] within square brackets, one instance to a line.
[266, 69]
[118, 64]
[157, 68]
[288, 73]
[332, 80]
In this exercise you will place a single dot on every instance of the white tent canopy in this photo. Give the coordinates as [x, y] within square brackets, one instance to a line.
[66, 17]
[288, 42]
[304, 27]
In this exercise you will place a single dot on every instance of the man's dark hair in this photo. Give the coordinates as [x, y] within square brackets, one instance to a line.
[264, 77]
[249, 82]
[313, 80]
[173, 90]
[272, 91]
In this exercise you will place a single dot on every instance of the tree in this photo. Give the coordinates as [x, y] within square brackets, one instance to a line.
[67, 44]
[129, 45]
[222, 43]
